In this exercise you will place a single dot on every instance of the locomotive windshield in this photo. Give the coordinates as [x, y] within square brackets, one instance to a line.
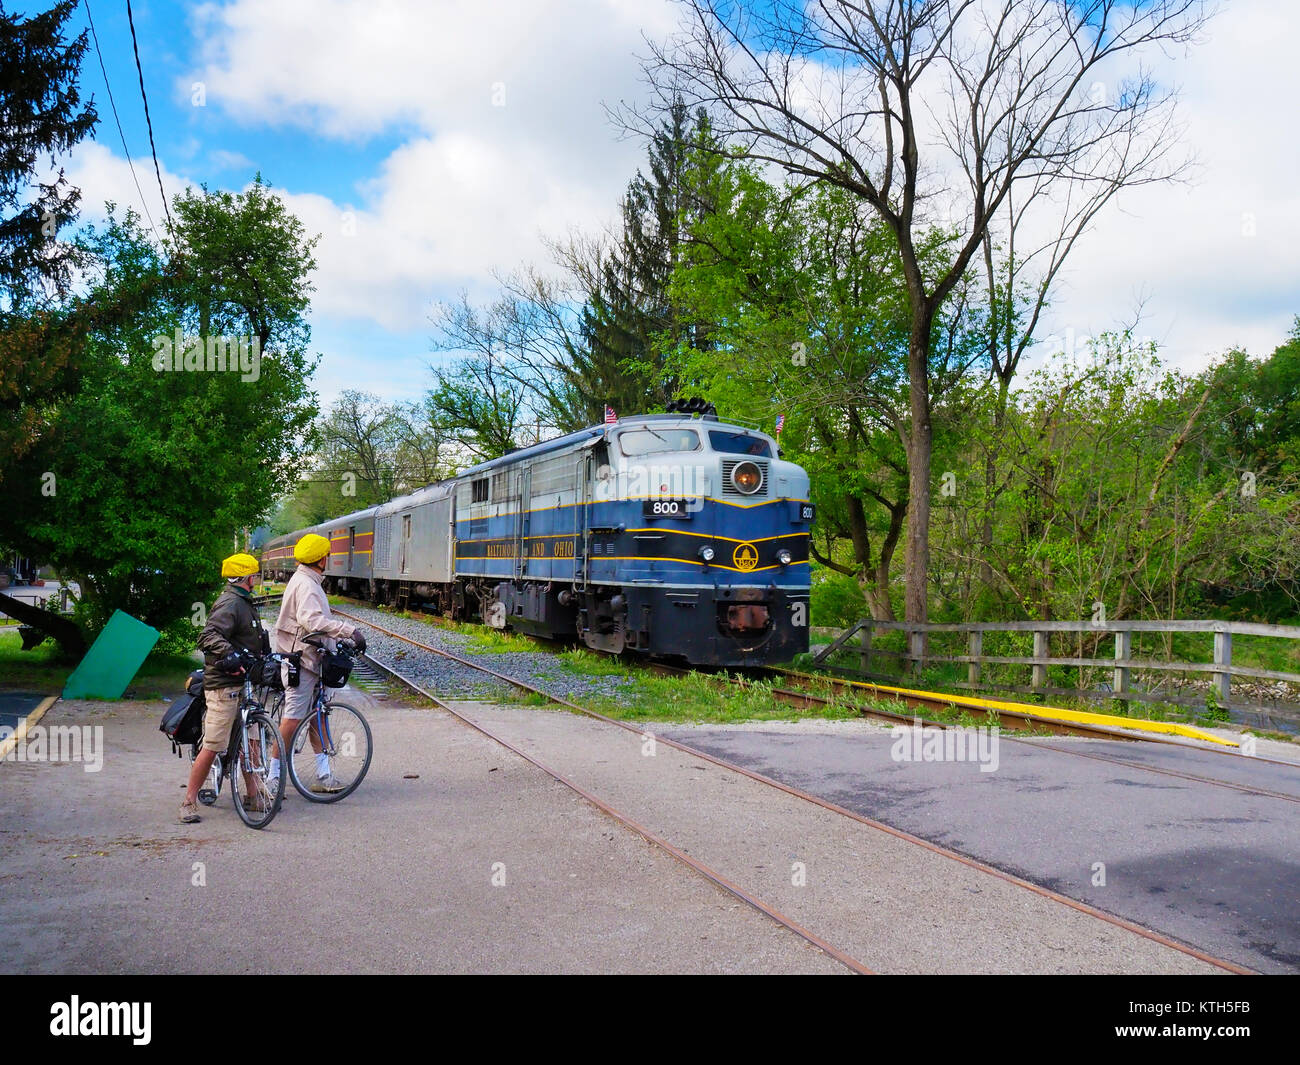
[654, 441]
[738, 443]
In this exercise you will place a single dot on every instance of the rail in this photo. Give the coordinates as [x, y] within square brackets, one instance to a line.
[1122, 666]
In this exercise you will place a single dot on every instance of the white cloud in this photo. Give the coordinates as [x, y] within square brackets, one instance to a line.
[475, 186]
[105, 177]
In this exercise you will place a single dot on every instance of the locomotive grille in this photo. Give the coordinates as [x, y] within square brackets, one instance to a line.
[729, 489]
[381, 541]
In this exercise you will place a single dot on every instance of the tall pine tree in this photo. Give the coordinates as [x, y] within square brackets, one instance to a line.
[42, 115]
[630, 321]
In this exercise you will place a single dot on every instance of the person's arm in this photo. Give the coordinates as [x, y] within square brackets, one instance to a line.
[214, 640]
[312, 618]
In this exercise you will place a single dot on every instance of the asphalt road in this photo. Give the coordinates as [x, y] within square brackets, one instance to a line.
[1209, 866]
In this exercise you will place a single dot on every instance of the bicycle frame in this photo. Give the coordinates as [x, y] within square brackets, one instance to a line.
[248, 704]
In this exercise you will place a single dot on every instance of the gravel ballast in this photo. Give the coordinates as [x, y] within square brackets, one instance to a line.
[442, 676]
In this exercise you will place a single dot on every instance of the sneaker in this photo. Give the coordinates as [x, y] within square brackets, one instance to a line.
[189, 813]
[328, 785]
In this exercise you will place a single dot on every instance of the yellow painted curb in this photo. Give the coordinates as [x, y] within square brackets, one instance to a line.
[11, 744]
[1055, 713]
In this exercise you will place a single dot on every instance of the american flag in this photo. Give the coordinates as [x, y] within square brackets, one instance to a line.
[780, 423]
[610, 416]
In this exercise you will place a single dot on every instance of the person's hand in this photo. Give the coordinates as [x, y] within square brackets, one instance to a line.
[359, 639]
[233, 663]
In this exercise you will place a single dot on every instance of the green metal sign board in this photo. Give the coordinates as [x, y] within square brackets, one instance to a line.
[112, 660]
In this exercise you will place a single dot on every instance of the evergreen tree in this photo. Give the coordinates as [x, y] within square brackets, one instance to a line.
[631, 321]
[41, 116]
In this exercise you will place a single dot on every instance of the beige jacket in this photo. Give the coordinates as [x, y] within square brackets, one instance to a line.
[306, 609]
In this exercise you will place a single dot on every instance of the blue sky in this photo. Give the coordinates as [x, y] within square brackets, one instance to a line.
[431, 143]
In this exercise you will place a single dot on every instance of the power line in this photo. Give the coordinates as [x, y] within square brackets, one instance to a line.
[135, 47]
[113, 104]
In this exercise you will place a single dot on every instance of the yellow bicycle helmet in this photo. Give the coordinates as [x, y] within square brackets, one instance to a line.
[311, 548]
[240, 566]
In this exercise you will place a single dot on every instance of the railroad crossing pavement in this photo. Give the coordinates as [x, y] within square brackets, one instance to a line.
[895, 906]
[98, 877]
[1207, 865]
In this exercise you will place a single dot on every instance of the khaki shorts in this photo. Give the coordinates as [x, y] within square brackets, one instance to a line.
[298, 701]
[219, 717]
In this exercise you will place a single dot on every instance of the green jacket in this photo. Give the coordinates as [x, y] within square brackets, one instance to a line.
[233, 624]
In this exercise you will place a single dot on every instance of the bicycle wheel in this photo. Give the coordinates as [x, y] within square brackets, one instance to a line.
[259, 747]
[338, 734]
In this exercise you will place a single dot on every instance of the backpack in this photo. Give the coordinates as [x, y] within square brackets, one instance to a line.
[182, 722]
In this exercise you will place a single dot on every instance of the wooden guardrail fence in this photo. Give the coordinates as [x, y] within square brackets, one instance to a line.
[1122, 666]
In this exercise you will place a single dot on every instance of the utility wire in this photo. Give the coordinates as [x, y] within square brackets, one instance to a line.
[112, 103]
[148, 122]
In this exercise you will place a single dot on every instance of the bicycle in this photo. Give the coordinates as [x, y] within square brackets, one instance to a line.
[253, 748]
[333, 731]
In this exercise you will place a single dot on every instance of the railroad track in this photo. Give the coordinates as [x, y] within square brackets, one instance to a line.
[804, 697]
[681, 856]
[712, 875]
[801, 692]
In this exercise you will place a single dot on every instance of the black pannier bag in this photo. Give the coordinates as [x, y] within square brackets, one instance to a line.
[335, 668]
[182, 723]
[267, 675]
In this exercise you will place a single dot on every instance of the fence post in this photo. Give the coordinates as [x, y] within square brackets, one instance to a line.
[916, 647]
[864, 655]
[1040, 671]
[975, 649]
[1123, 652]
[1223, 657]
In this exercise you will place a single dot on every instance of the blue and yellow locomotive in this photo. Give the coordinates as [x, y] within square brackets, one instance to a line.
[672, 535]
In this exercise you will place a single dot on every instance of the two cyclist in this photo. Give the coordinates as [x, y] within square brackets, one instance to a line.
[305, 609]
[233, 626]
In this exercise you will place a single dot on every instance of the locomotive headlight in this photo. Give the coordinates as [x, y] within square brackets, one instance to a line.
[706, 553]
[747, 478]
[784, 557]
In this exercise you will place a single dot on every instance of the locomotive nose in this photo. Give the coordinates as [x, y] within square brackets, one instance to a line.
[745, 619]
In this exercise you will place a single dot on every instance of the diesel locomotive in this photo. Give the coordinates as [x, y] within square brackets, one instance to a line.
[671, 535]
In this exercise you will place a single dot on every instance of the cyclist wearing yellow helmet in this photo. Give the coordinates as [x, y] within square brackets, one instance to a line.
[233, 625]
[306, 609]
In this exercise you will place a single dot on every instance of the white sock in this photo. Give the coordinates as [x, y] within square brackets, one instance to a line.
[322, 765]
[275, 769]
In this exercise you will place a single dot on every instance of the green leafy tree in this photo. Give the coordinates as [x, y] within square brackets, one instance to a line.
[150, 470]
[808, 305]
[932, 111]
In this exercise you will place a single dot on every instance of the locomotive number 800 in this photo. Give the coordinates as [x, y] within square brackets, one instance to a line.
[664, 508]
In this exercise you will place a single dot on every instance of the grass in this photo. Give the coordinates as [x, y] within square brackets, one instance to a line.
[486, 641]
[44, 668]
[697, 698]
